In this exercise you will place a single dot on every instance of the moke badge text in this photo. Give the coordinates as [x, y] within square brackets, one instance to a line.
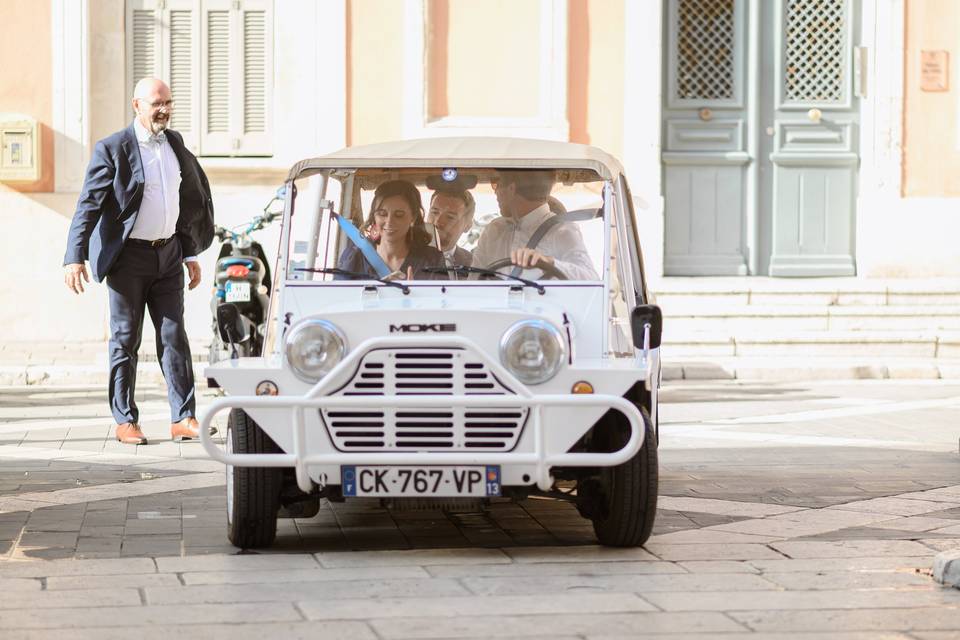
[421, 328]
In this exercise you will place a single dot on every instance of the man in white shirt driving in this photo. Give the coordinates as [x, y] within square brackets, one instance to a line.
[522, 195]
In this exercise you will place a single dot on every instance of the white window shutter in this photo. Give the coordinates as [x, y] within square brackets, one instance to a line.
[236, 77]
[256, 26]
[218, 110]
[144, 28]
[181, 68]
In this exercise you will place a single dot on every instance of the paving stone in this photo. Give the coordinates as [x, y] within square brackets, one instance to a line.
[303, 575]
[849, 548]
[833, 620]
[553, 625]
[717, 566]
[247, 562]
[894, 506]
[723, 507]
[20, 599]
[784, 600]
[76, 568]
[888, 563]
[916, 524]
[831, 635]
[493, 606]
[941, 544]
[586, 553]
[419, 557]
[834, 580]
[135, 581]
[126, 617]
[19, 584]
[677, 552]
[644, 583]
[278, 592]
[332, 630]
[554, 569]
[709, 536]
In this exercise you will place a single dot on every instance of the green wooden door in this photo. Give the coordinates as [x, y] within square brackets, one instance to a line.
[760, 119]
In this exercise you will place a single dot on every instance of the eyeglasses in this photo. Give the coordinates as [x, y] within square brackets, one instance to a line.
[156, 105]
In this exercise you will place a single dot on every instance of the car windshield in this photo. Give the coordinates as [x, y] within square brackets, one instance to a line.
[448, 224]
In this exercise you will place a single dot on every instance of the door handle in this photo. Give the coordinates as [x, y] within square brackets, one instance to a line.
[814, 115]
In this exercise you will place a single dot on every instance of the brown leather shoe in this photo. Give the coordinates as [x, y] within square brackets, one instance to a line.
[129, 433]
[187, 429]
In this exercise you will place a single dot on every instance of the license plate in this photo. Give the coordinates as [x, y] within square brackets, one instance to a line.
[390, 482]
[237, 291]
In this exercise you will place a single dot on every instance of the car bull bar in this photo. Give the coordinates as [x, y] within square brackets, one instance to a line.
[317, 398]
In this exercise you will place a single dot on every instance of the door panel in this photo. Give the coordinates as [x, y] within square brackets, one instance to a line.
[704, 157]
[815, 120]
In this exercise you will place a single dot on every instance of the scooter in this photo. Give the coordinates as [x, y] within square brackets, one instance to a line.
[241, 295]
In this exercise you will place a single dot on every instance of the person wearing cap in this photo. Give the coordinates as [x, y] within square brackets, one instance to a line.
[523, 196]
[451, 214]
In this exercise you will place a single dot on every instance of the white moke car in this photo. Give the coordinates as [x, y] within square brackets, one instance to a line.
[471, 382]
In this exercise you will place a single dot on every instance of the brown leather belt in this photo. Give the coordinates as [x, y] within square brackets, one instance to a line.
[150, 243]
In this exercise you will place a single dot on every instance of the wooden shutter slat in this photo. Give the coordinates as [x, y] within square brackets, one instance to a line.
[254, 72]
[145, 28]
[218, 71]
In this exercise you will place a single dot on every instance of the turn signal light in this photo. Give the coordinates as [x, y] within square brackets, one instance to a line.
[582, 387]
[267, 388]
[237, 271]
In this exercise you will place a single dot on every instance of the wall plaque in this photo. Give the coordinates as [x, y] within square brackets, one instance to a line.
[934, 70]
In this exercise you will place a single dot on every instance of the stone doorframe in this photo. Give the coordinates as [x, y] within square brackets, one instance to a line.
[881, 113]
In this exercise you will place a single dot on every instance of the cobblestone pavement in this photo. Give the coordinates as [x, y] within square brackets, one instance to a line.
[786, 511]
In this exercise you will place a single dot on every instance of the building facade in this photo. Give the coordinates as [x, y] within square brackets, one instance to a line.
[784, 138]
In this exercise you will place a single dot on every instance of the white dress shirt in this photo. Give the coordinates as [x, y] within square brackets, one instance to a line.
[160, 207]
[564, 243]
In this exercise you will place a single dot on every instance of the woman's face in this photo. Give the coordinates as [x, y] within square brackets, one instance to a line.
[394, 218]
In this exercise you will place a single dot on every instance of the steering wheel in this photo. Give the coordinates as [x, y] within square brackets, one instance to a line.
[550, 272]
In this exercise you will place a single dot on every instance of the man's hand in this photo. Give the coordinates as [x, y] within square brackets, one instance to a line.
[72, 276]
[193, 270]
[526, 258]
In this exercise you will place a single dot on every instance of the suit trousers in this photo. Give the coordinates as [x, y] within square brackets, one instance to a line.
[145, 277]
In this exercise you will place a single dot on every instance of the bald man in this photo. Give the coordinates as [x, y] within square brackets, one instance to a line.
[144, 213]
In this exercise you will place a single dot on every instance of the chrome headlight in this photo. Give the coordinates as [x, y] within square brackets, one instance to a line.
[533, 350]
[313, 348]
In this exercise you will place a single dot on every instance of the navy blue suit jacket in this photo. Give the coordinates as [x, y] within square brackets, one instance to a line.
[111, 197]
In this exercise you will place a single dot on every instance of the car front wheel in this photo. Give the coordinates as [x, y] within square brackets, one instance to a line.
[253, 493]
[622, 501]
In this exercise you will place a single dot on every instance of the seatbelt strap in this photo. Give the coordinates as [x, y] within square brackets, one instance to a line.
[366, 248]
[537, 236]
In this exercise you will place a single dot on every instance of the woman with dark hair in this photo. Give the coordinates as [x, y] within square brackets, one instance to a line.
[395, 226]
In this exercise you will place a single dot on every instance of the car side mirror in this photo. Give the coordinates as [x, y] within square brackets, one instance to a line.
[643, 315]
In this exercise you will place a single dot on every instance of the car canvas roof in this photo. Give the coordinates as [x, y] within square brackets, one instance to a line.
[462, 152]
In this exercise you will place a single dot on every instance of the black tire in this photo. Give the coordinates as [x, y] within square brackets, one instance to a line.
[628, 493]
[255, 495]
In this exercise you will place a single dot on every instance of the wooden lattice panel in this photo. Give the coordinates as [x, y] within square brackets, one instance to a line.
[705, 50]
[815, 51]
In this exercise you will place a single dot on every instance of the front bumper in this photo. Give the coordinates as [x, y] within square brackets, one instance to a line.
[536, 456]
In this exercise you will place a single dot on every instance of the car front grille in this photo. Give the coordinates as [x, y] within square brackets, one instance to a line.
[424, 372]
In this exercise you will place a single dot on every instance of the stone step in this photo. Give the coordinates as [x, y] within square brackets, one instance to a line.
[796, 369]
[740, 319]
[714, 344]
[807, 291]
